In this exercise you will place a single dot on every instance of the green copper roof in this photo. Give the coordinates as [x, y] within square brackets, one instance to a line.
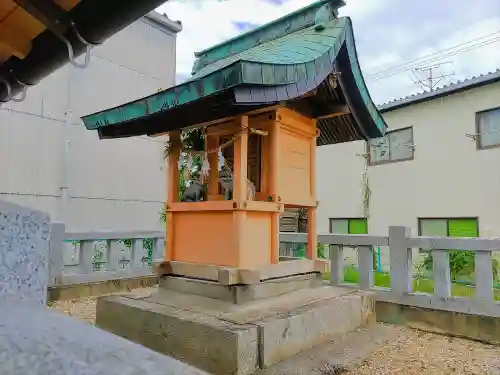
[275, 63]
[296, 50]
[317, 12]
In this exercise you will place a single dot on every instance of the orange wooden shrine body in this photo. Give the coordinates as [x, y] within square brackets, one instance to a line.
[242, 233]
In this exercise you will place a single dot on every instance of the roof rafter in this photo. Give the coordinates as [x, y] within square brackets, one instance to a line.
[55, 18]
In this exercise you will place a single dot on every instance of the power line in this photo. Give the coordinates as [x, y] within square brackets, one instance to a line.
[435, 53]
[431, 61]
[61, 121]
[431, 81]
[454, 53]
[436, 56]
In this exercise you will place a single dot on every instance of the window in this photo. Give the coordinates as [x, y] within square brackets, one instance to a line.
[353, 226]
[396, 145]
[488, 128]
[460, 227]
[349, 226]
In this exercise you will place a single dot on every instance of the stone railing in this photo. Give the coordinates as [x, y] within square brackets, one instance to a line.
[401, 291]
[80, 258]
[73, 261]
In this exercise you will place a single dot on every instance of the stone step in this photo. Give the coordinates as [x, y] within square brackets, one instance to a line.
[345, 352]
[239, 294]
[229, 339]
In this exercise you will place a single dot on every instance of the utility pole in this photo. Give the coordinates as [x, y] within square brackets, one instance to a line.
[431, 80]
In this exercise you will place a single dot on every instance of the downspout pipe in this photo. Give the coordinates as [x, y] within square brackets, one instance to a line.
[95, 21]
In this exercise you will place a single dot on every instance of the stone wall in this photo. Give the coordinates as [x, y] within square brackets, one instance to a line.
[37, 341]
[24, 253]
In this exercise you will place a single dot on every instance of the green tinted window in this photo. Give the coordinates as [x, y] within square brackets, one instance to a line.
[358, 226]
[349, 226]
[339, 226]
[462, 228]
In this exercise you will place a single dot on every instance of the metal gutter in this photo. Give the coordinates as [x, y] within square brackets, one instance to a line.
[95, 20]
[164, 22]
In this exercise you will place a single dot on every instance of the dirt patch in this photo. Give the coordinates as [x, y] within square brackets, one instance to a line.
[85, 308]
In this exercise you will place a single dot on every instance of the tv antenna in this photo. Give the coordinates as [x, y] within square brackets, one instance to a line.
[431, 74]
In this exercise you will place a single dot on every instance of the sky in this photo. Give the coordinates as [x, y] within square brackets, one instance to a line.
[461, 38]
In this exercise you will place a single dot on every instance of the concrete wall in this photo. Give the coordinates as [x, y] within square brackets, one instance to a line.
[111, 184]
[449, 177]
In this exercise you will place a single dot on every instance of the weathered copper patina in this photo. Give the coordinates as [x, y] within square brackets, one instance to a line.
[306, 60]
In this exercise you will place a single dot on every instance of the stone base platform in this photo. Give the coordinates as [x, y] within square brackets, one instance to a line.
[236, 329]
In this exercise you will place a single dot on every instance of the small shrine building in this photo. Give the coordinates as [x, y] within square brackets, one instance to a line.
[265, 101]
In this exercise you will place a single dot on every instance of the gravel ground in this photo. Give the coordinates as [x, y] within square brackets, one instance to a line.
[415, 352]
[84, 308]
[411, 352]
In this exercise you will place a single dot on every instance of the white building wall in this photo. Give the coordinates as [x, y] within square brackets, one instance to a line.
[112, 184]
[448, 178]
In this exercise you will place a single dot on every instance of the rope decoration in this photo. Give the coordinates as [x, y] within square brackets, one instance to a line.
[225, 171]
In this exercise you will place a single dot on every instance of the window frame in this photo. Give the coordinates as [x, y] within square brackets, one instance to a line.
[478, 131]
[348, 219]
[412, 157]
[447, 219]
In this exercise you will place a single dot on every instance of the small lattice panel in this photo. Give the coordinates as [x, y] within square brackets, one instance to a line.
[289, 220]
[253, 166]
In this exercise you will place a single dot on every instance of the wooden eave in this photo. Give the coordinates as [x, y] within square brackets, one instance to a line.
[314, 70]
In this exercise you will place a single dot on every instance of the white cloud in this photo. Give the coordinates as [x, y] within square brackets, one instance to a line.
[479, 60]
[465, 64]
[209, 22]
[374, 64]
[359, 9]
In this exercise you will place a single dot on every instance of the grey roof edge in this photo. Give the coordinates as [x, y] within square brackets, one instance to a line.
[453, 88]
[164, 21]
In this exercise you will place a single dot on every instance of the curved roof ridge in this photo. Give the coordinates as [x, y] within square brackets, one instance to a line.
[320, 59]
[287, 24]
[256, 53]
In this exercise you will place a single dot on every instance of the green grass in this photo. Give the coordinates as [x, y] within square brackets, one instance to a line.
[383, 279]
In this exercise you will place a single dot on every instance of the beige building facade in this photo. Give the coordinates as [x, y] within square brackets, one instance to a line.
[51, 163]
[437, 171]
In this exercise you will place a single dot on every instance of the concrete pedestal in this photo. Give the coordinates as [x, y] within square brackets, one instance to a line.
[236, 329]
